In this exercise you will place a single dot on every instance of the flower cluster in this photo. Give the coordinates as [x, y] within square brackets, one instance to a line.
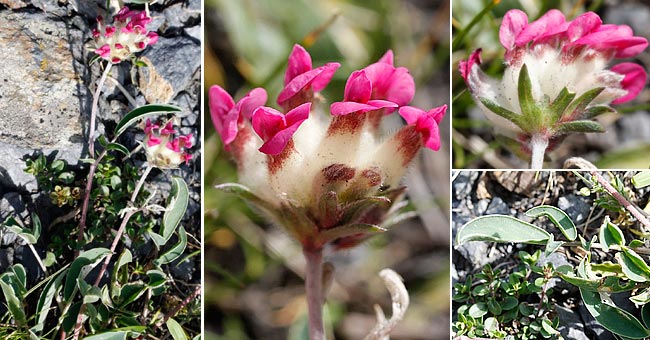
[556, 77]
[325, 175]
[164, 151]
[127, 35]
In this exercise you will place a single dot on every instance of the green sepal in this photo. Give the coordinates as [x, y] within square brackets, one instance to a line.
[579, 126]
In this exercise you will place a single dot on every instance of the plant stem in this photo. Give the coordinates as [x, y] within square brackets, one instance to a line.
[140, 183]
[621, 199]
[93, 110]
[84, 206]
[314, 291]
[538, 145]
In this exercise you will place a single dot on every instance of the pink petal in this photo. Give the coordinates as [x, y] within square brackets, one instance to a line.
[253, 99]
[401, 88]
[153, 38]
[438, 113]
[465, 66]
[383, 104]
[583, 25]
[357, 88]
[426, 123]
[223, 116]
[634, 81]
[104, 51]
[344, 108]
[387, 58]
[276, 129]
[550, 23]
[432, 141]
[410, 114]
[319, 76]
[513, 23]
[168, 129]
[299, 63]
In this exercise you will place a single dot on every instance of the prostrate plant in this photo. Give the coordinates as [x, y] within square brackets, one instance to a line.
[96, 294]
[329, 178]
[556, 77]
[502, 305]
[596, 280]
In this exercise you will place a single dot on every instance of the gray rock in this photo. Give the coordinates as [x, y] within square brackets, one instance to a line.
[497, 206]
[636, 15]
[575, 206]
[6, 258]
[463, 183]
[633, 128]
[571, 326]
[194, 32]
[12, 204]
[182, 270]
[39, 94]
[179, 16]
[175, 59]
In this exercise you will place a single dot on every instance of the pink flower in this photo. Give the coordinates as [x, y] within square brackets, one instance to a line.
[426, 123]
[301, 81]
[227, 116]
[276, 129]
[377, 86]
[390, 83]
[357, 96]
[126, 36]
[558, 54]
[162, 149]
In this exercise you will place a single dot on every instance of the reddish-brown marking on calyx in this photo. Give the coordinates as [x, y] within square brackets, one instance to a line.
[338, 173]
[275, 162]
[236, 148]
[373, 177]
[410, 142]
[349, 123]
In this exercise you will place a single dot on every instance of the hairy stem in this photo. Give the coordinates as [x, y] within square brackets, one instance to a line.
[140, 183]
[622, 200]
[314, 291]
[538, 145]
[93, 110]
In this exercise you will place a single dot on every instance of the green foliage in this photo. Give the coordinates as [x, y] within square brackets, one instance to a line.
[501, 305]
[49, 174]
[596, 280]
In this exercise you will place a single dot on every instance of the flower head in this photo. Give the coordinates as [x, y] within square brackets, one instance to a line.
[162, 149]
[125, 36]
[556, 77]
[329, 178]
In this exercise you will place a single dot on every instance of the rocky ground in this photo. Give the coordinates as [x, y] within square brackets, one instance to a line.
[512, 193]
[46, 87]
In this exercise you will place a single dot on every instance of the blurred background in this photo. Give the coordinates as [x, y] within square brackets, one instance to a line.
[253, 271]
[626, 142]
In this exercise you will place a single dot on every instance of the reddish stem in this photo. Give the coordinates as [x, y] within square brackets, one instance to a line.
[621, 199]
[314, 291]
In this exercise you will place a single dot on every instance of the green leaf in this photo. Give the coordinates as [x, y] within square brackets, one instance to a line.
[552, 245]
[559, 105]
[141, 112]
[529, 107]
[157, 278]
[66, 177]
[332, 234]
[633, 265]
[45, 300]
[494, 307]
[645, 314]
[117, 147]
[23, 233]
[578, 106]
[491, 324]
[176, 251]
[478, 309]
[579, 126]
[558, 217]
[610, 234]
[176, 206]
[614, 319]
[245, 193]
[642, 298]
[509, 302]
[80, 268]
[641, 180]
[515, 118]
[598, 110]
[36, 226]
[125, 258]
[111, 335]
[13, 302]
[547, 325]
[131, 292]
[501, 228]
[57, 166]
[175, 329]
[90, 293]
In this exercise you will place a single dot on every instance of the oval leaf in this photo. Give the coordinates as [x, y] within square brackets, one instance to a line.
[141, 112]
[614, 319]
[558, 217]
[501, 228]
[87, 258]
[120, 335]
[175, 329]
[610, 234]
[176, 251]
[176, 206]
